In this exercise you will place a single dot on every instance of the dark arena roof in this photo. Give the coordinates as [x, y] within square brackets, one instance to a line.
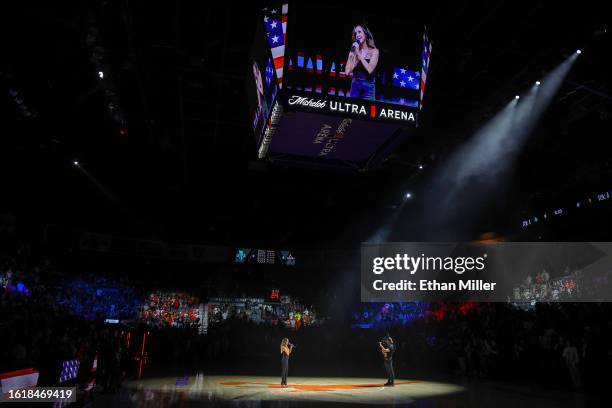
[167, 153]
[167, 222]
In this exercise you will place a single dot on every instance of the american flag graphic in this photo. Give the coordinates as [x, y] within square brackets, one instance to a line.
[413, 103]
[405, 78]
[425, 64]
[70, 370]
[275, 21]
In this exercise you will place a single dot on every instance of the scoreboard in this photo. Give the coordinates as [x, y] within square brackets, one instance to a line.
[263, 257]
[340, 88]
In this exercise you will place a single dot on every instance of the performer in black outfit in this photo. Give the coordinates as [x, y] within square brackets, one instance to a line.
[362, 61]
[387, 348]
[285, 348]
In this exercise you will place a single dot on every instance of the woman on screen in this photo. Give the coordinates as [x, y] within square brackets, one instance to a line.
[261, 103]
[362, 61]
[285, 348]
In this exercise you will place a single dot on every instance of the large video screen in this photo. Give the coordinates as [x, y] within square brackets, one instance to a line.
[352, 55]
[261, 82]
[349, 85]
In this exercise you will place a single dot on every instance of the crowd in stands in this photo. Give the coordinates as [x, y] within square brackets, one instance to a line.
[13, 276]
[286, 312]
[40, 333]
[95, 296]
[560, 344]
[176, 309]
[567, 287]
[375, 315]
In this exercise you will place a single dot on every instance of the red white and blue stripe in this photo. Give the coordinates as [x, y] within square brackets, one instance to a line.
[275, 21]
[426, 56]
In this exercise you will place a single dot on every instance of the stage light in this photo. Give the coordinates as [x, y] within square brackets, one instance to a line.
[516, 97]
[578, 51]
[76, 163]
[420, 167]
[122, 132]
[407, 196]
[101, 74]
[538, 82]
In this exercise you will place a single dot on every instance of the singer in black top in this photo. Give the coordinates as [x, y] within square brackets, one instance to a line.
[362, 61]
[285, 348]
[388, 348]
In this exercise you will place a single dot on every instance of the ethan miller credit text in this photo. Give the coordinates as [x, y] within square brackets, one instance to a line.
[433, 285]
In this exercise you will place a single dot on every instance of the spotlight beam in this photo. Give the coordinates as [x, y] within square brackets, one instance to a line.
[476, 176]
[91, 178]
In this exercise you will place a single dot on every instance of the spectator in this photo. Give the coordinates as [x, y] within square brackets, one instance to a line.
[570, 355]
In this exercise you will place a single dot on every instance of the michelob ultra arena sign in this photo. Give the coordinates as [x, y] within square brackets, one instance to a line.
[366, 110]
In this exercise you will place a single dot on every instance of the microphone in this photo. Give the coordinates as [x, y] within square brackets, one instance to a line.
[354, 46]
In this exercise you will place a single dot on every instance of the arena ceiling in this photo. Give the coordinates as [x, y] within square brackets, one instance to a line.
[185, 169]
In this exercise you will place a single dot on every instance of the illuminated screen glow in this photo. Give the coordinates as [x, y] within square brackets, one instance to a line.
[262, 82]
[341, 88]
[346, 54]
